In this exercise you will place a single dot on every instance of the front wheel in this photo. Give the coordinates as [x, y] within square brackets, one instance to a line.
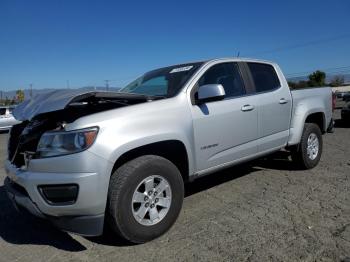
[308, 153]
[145, 198]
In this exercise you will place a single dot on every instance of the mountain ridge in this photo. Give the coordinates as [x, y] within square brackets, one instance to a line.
[12, 93]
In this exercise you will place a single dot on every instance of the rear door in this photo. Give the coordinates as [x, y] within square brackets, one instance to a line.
[274, 106]
[225, 131]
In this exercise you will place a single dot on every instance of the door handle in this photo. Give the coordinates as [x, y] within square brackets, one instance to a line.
[246, 108]
[283, 101]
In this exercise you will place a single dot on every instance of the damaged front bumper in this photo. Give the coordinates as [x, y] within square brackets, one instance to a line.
[71, 189]
[84, 216]
[82, 225]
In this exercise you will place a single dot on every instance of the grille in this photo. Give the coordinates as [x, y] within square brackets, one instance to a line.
[25, 137]
[14, 140]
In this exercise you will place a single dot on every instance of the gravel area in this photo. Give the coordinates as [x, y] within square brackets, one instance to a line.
[260, 211]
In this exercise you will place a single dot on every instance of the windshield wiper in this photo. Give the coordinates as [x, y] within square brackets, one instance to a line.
[148, 97]
[157, 97]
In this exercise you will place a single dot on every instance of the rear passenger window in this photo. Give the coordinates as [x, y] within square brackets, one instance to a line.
[264, 76]
[226, 74]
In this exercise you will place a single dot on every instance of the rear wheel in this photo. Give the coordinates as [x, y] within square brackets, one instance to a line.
[145, 198]
[308, 153]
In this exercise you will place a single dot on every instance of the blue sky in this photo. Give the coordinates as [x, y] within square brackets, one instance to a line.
[49, 42]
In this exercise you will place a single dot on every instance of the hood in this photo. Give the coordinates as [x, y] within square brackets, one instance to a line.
[60, 99]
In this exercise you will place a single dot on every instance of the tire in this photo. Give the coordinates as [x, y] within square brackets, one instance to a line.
[345, 119]
[122, 211]
[303, 158]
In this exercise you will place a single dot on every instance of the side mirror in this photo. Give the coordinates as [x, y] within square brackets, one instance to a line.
[209, 93]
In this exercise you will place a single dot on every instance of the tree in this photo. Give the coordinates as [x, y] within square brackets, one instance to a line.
[337, 81]
[13, 101]
[300, 84]
[317, 78]
[303, 84]
[20, 95]
[292, 84]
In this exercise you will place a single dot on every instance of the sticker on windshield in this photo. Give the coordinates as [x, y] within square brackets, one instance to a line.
[181, 69]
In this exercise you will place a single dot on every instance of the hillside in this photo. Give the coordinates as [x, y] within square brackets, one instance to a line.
[12, 93]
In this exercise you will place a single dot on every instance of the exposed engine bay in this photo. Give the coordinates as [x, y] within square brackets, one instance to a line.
[24, 137]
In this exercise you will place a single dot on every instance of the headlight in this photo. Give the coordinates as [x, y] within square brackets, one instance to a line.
[57, 143]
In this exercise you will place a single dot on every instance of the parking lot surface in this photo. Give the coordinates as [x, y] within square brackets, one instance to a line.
[264, 210]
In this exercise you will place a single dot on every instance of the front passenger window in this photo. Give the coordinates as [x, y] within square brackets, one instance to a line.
[226, 74]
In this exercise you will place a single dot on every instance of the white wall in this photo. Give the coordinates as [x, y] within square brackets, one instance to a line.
[341, 89]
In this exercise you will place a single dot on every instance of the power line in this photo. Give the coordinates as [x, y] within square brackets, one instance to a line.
[328, 75]
[116, 80]
[330, 69]
[328, 72]
[295, 46]
[343, 72]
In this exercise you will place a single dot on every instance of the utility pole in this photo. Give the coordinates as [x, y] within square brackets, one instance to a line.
[107, 84]
[31, 90]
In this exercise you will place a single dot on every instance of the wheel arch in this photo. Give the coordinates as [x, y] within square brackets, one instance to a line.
[173, 150]
[317, 118]
[302, 116]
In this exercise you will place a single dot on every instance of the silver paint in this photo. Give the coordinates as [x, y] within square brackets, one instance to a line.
[243, 128]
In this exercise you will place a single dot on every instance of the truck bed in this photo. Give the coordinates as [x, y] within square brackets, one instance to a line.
[305, 102]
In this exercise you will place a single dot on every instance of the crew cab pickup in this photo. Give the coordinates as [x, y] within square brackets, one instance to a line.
[80, 159]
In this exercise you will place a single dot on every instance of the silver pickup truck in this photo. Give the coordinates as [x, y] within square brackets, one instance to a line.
[80, 159]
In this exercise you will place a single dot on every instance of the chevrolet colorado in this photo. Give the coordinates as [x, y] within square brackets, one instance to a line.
[80, 159]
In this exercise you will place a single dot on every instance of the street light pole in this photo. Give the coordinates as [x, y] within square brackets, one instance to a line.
[107, 84]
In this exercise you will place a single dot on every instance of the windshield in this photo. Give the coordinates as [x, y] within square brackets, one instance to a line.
[166, 81]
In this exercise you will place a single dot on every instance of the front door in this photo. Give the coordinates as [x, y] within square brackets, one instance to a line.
[225, 131]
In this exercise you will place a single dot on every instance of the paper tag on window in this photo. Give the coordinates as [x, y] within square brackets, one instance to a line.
[180, 69]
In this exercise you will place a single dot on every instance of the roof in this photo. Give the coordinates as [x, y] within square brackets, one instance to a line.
[240, 59]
